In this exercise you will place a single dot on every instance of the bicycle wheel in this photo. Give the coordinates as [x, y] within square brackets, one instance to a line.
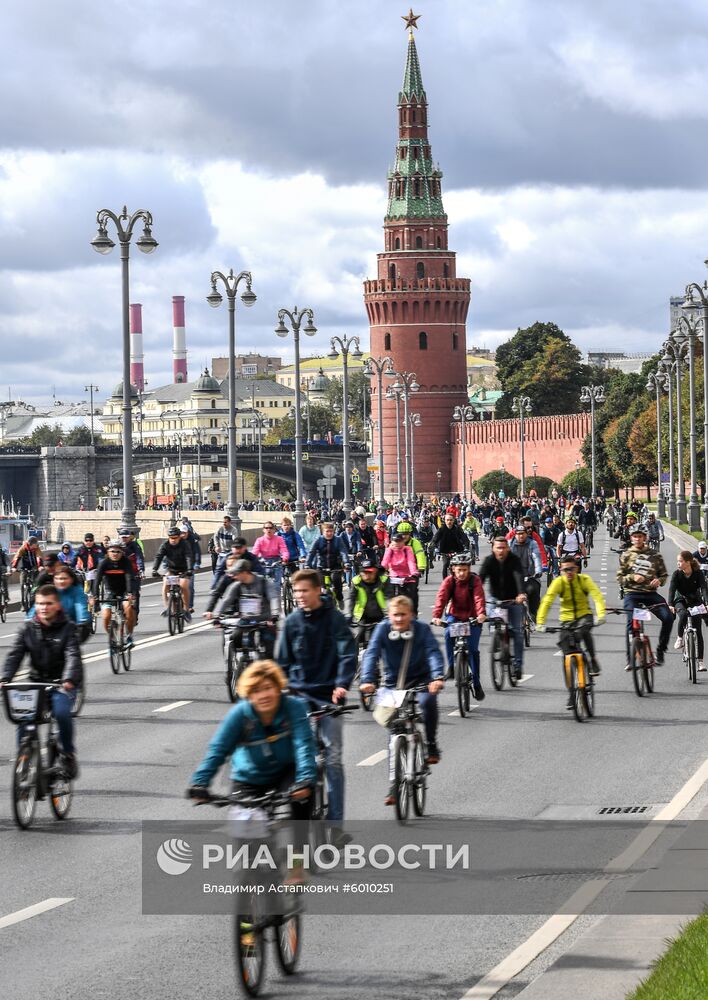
[637, 662]
[80, 697]
[250, 947]
[232, 674]
[510, 668]
[577, 694]
[288, 942]
[3, 609]
[25, 594]
[420, 773]
[462, 682]
[114, 646]
[172, 614]
[288, 600]
[126, 654]
[527, 630]
[402, 797]
[60, 790]
[24, 784]
[648, 666]
[690, 655]
[94, 622]
[588, 691]
[180, 616]
[497, 661]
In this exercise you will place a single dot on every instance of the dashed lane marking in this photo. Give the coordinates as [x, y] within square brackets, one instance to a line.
[34, 911]
[171, 706]
[375, 758]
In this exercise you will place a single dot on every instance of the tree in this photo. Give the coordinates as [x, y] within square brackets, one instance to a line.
[322, 421]
[580, 480]
[359, 389]
[80, 435]
[44, 436]
[541, 484]
[496, 480]
[543, 363]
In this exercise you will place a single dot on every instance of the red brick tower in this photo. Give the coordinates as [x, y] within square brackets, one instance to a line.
[417, 306]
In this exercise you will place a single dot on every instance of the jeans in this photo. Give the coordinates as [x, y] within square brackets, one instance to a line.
[472, 648]
[696, 620]
[332, 732]
[62, 704]
[533, 592]
[658, 606]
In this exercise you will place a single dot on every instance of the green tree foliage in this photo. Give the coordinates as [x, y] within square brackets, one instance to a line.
[359, 389]
[543, 363]
[580, 480]
[80, 435]
[492, 482]
[45, 436]
[541, 484]
[322, 421]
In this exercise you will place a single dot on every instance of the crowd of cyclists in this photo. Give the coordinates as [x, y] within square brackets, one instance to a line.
[336, 606]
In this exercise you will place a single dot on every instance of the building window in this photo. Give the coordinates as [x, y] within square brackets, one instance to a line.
[397, 244]
[215, 468]
[387, 342]
[420, 269]
[213, 404]
[419, 242]
[250, 369]
[423, 341]
[455, 341]
[403, 152]
[392, 273]
[446, 271]
[213, 441]
[438, 244]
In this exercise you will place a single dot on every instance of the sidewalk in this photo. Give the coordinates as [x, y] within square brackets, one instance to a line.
[678, 535]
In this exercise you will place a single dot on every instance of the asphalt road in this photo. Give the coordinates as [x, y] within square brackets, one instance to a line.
[519, 756]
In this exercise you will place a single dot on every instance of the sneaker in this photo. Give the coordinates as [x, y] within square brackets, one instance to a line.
[595, 669]
[679, 643]
[187, 616]
[519, 673]
[660, 656]
[701, 668]
[569, 703]
[628, 666]
[71, 766]
[390, 799]
[191, 611]
[477, 691]
[128, 644]
[434, 754]
[164, 613]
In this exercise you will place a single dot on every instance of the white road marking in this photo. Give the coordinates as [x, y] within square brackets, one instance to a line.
[524, 677]
[503, 973]
[171, 706]
[34, 911]
[375, 758]
[153, 641]
[559, 653]
[457, 711]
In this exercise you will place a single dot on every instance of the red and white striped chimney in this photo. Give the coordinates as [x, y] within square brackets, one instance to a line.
[137, 372]
[179, 343]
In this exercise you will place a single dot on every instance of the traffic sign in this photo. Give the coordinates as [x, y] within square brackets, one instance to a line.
[355, 479]
[355, 472]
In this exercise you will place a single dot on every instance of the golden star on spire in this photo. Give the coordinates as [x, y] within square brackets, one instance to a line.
[411, 20]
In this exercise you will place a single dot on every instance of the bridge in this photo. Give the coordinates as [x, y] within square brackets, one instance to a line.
[55, 478]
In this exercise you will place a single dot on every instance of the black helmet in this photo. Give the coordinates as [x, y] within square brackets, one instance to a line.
[173, 532]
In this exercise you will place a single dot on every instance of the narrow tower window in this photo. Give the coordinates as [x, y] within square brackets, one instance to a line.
[419, 242]
[420, 269]
[438, 243]
[446, 271]
[423, 341]
[387, 342]
[455, 341]
[397, 243]
[392, 273]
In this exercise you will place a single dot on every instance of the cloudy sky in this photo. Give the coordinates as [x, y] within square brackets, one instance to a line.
[572, 136]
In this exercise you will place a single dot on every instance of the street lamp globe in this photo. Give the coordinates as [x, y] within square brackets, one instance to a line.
[281, 329]
[248, 297]
[214, 298]
[102, 243]
[147, 242]
[333, 354]
[310, 329]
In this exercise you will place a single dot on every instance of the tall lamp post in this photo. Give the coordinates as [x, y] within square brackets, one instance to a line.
[470, 471]
[502, 469]
[592, 394]
[296, 317]
[577, 477]
[656, 383]
[103, 244]
[463, 414]
[405, 384]
[259, 421]
[438, 476]
[390, 394]
[91, 389]
[686, 333]
[230, 284]
[197, 435]
[347, 346]
[378, 366]
[306, 386]
[692, 307]
[414, 421]
[535, 469]
[675, 350]
[522, 406]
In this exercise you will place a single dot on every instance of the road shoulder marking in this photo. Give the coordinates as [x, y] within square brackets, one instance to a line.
[35, 910]
[171, 706]
[375, 758]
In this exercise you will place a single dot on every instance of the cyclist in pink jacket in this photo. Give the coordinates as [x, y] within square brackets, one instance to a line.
[269, 547]
[399, 560]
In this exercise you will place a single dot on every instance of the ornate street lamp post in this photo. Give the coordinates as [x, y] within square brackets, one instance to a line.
[390, 394]
[103, 244]
[657, 383]
[414, 421]
[230, 283]
[378, 366]
[296, 317]
[692, 307]
[345, 348]
[675, 350]
[522, 406]
[592, 394]
[405, 384]
[463, 414]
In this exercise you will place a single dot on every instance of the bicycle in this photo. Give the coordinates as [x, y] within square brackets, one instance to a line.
[328, 585]
[407, 753]
[459, 631]
[362, 640]
[641, 655]
[576, 670]
[500, 652]
[89, 576]
[239, 657]
[38, 769]
[28, 578]
[287, 597]
[552, 565]
[251, 921]
[319, 831]
[175, 605]
[690, 642]
[589, 539]
[120, 650]
[4, 597]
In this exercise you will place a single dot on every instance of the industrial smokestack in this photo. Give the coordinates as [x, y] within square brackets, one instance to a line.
[179, 343]
[137, 372]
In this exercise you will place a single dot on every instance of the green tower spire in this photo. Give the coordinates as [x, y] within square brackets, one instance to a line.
[412, 77]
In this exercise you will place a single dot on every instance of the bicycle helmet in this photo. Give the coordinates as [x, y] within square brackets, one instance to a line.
[115, 543]
[639, 529]
[404, 528]
[461, 559]
[173, 532]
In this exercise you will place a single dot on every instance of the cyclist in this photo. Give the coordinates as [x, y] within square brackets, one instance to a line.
[271, 546]
[400, 562]
[461, 598]
[269, 738]
[499, 529]
[73, 600]
[252, 597]
[328, 555]
[50, 563]
[177, 555]
[574, 589]
[526, 550]
[369, 541]
[49, 640]
[351, 540]
[470, 526]
[641, 572]
[381, 537]
[527, 522]
[656, 532]
[624, 532]
[317, 653]
[571, 542]
[449, 540]
[688, 589]
[223, 536]
[366, 602]
[405, 528]
[587, 520]
[310, 532]
[425, 533]
[66, 554]
[89, 555]
[239, 549]
[116, 575]
[401, 636]
[28, 559]
[294, 543]
[4, 570]
[137, 560]
[549, 537]
[504, 572]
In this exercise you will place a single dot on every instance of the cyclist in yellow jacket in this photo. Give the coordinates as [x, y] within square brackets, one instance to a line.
[575, 590]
